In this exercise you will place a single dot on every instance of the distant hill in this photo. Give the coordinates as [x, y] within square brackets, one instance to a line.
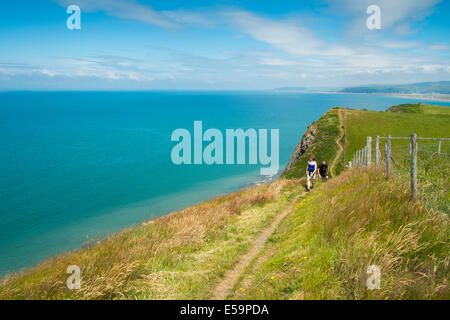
[440, 87]
[419, 108]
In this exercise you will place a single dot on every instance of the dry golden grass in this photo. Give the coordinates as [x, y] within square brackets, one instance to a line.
[385, 227]
[108, 268]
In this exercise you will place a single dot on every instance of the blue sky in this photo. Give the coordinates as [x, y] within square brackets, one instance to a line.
[219, 45]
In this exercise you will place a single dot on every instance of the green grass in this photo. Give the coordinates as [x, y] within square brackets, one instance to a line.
[432, 109]
[323, 250]
[361, 124]
[402, 121]
[433, 170]
[324, 145]
[407, 108]
[419, 108]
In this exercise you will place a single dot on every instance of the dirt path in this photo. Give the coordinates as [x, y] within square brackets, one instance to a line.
[223, 289]
[339, 143]
[225, 286]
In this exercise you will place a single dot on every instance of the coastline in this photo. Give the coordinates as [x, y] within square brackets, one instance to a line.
[421, 97]
[155, 208]
[444, 98]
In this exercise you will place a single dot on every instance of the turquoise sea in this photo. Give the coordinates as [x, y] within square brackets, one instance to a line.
[79, 165]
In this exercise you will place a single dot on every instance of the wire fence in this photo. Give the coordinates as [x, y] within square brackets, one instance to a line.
[425, 160]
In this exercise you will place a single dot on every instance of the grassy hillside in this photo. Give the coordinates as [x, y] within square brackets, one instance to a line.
[407, 108]
[324, 146]
[402, 120]
[181, 255]
[358, 219]
[419, 108]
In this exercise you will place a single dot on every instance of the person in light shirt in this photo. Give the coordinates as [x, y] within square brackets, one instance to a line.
[311, 170]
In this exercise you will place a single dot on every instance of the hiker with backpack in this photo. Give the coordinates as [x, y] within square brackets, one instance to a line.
[311, 170]
[323, 170]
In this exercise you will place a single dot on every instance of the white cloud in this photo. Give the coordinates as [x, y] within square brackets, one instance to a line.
[433, 68]
[184, 17]
[439, 46]
[133, 10]
[282, 35]
[48, 72]
[126, 9]
[286, 35]
[276, 62]
[399, 44]
[396, 15]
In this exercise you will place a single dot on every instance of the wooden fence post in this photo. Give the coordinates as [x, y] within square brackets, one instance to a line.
[369, 151]
[414, 165]
[439, 147]
[377, 151]
[388, 157]
[363, 158]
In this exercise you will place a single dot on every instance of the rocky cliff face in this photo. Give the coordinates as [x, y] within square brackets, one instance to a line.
[303, 146]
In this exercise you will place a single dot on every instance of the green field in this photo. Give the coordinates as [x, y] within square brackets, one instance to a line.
[419, 108]
[426, 121]
[433, 121]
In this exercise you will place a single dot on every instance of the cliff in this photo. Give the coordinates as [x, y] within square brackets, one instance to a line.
[302, 146]
[318, 140]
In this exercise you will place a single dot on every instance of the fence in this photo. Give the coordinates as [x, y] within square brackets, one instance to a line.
[425, 159]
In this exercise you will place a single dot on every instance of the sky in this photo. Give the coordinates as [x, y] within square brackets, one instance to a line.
[221, 45]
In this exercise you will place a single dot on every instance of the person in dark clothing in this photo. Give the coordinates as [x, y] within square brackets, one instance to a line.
[323, 170]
